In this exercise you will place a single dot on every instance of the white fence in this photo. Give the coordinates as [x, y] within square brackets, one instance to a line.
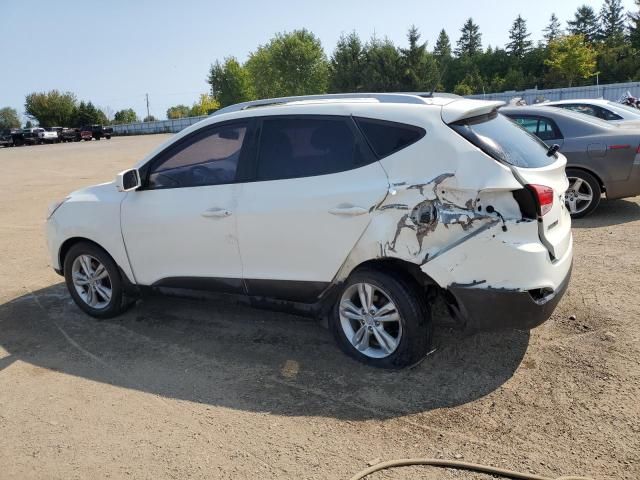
[159, 126]
[611, 91]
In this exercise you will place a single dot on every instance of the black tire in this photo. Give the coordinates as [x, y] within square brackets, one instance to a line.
[118, 302]
[415, 318]
[594, 184]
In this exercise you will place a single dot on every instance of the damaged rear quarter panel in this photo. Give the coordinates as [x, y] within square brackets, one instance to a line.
[440, 188]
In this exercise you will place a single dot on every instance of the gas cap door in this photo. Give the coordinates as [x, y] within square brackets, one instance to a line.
[597, 150]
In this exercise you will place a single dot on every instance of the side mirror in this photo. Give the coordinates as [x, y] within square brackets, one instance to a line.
[128, 180]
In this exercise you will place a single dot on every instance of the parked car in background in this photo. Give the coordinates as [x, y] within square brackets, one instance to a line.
[86, 133]
[602, 157]
[96, 131]
[362, 208]
[47, 136]
[6, 138]
[58, 132]
[70, 135]
[31, 136]
[603, 109]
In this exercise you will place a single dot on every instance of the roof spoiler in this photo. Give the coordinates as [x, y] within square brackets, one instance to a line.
[466, 108]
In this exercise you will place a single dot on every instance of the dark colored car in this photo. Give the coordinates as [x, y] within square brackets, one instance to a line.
[96, 131]
[6, 138]
[602, 157]
[70, 135]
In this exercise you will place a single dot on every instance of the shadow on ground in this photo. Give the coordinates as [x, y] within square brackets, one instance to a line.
[225, 354]
[608, 213]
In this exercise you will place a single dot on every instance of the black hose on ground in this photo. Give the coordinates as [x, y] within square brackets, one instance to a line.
[472, 467]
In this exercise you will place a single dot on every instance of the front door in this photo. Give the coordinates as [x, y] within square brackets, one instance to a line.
[180, 229]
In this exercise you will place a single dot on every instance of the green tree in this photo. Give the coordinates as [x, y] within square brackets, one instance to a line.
[585, 23]
[149, 118]
[29, 124]
[346, 65]
[612, 23]
[571, 58]
[178, 111]
[382, 69]
[634, 27]
[9, 118]
[205, 105]
[470, 41]
[52, 108]
[125, 116]
[443, 46]
[419, 71]
[230, 82]
[290, 64]
[88, 114]
[519, 44]
[553, 30]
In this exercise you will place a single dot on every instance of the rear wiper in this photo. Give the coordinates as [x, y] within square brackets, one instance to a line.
[553, 149]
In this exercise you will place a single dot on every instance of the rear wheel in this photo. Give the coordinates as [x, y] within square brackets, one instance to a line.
[381, 319]
[584, 193]
[94, 281]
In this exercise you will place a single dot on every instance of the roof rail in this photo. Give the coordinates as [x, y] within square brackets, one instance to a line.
[401, 97]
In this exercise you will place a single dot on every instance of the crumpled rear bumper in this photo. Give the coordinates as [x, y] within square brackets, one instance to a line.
[496, 308]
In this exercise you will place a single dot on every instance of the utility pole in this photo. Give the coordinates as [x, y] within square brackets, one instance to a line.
[147, 95]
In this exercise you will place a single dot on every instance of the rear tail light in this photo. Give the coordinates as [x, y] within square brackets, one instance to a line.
[638, 150]
[544, 198]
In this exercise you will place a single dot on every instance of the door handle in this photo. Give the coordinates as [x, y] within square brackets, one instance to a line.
[348, 210]
[216, 212]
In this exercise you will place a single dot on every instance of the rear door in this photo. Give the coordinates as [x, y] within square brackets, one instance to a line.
[315, 182]
[527, 157]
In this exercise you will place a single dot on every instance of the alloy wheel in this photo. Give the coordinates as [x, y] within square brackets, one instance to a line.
[91, 280]
[370, 320]
[578, 196]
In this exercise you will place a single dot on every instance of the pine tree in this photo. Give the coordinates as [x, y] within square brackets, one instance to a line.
[585, 23]
[634, 27]
[419, 70]
[612, 22]
[553, 30]
[520, 43]
[443, 45]
[347, 61]
[470, 42]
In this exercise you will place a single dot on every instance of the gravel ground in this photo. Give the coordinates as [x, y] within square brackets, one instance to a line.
[192, 389]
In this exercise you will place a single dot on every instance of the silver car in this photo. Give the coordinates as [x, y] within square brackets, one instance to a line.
[602, 157]
[599, 108]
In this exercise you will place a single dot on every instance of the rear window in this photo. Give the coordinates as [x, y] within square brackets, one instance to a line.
[386, 137]
[504, 140]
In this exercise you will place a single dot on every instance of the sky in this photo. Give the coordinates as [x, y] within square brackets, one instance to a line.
[114, 52]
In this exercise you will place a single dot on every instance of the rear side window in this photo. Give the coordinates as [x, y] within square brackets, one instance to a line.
[504, 140]
[305, 147]
[543, 128]
[386, 138]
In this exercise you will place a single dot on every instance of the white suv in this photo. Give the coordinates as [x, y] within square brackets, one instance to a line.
[363, 208]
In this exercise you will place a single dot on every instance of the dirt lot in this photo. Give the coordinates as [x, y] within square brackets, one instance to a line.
[190, 389]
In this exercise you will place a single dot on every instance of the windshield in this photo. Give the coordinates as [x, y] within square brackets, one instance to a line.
[504, 140]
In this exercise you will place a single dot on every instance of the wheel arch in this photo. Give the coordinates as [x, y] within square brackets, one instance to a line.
[590, 172]
[70, 242]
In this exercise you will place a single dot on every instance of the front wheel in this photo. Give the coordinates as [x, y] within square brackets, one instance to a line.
[94, 281]
[381, 319]
[584, 193]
